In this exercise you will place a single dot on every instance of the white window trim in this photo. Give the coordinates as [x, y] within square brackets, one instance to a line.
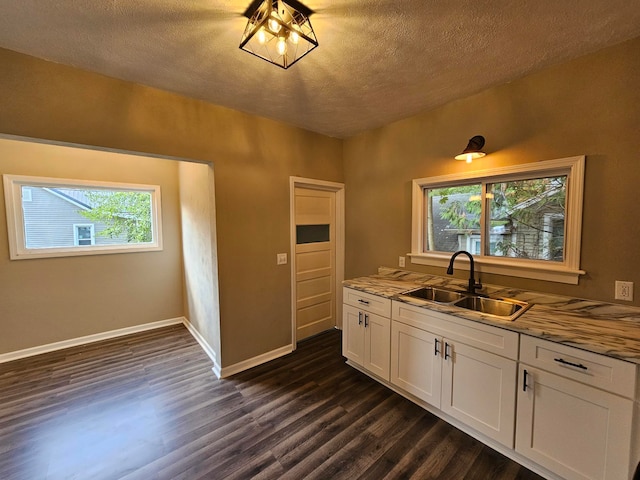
[565, 272]
[15, 221]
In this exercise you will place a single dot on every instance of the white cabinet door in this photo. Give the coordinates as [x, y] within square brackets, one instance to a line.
[366, 340]
[416, 362]
[353, 334]
[479, 388]
[576, 431]
[377, 338]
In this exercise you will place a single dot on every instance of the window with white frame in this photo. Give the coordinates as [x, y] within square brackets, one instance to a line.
[83, 234]
[523, 220]
[53, 217]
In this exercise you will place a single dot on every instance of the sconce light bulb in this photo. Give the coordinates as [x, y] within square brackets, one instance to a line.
[294, 37]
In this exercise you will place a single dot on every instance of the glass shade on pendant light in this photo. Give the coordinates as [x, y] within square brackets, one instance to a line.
[473, 150]
[278, 31]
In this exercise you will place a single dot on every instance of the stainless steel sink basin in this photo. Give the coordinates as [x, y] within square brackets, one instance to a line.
[503, 308]
[435, 295]
[506, 308]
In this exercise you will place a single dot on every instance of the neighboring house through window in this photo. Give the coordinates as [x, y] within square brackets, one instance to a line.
[52, 217]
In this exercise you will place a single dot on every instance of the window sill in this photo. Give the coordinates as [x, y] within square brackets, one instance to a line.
[81, 251]
[500, 266]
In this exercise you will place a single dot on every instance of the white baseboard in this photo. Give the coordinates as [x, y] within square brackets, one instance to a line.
[205, 346]
[217, 369]
[255, 361]
[74, 342]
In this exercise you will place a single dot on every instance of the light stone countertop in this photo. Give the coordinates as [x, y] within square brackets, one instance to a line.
[600, 327]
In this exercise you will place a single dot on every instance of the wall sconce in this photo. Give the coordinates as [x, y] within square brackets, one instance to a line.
[473, 150]
[278, 31]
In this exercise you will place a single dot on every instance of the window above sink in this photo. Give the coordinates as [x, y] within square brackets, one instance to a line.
[524, 220]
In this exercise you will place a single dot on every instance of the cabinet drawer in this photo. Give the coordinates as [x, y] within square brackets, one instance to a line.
[486, 337]
[610, 374]
[367, 302]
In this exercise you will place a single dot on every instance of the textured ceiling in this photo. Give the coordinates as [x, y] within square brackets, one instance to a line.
[378, 60]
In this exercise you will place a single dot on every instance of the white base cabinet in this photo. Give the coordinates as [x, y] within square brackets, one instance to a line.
[577, 415]
[366, 336]
[416, 362]
[564, 422]
[479, 389]
[450, 363]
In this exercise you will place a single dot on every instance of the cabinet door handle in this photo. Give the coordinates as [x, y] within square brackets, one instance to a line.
[363, 302]
[359, 318]
[366, 320]
[436, 352]
[446, 350]
[571, 364]
[524, 380]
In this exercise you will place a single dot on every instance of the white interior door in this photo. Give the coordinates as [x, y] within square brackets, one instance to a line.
[315, 251]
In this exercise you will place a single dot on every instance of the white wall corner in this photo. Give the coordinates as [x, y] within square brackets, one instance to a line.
[205, 346]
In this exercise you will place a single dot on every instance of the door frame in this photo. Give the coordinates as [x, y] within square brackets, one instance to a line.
[338, 189]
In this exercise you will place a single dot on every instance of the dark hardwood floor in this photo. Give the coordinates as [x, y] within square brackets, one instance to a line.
[148, 406]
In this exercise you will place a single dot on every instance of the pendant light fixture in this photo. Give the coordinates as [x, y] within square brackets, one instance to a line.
[473, 150]
[278, 31]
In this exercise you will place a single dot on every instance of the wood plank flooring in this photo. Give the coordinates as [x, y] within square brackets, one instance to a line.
[147, 406]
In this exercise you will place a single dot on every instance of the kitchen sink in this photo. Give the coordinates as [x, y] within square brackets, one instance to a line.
[504, 308]
[498, 307]
[435, 295]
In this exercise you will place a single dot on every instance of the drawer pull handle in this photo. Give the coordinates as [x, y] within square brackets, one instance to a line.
[359, 318]
[446, 350]
[366, 320]
[571, 364]
[436, 342]
[524, 381]
[363, 302]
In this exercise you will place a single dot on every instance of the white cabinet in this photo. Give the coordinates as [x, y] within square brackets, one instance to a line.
[465, 368]
[573, 417]
[479, 388]
[416, 362]
[366, 331]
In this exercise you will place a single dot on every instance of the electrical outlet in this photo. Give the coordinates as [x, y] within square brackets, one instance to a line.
[401, 261]
[281, 259]
[624, 291]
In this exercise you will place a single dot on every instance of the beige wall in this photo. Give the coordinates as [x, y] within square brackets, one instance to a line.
[252, 158]
[199, 252]
[53, 299]
[588, 106]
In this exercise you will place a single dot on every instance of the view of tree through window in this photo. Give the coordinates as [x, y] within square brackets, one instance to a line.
[125, 214]
[453, 217]
[524, 218]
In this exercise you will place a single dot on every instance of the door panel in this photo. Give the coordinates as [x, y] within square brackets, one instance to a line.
[315, 262]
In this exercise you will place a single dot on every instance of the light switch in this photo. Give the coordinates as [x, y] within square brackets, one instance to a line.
[281, 259]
